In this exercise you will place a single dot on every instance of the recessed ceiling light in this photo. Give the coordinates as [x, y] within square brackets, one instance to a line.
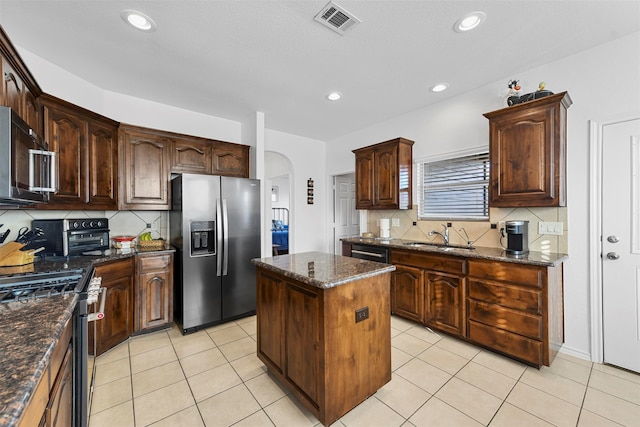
[439, 87]
[469, 21]
[138, 20]
[334, 96]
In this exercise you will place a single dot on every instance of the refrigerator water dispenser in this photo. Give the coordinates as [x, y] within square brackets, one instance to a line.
[203, 238]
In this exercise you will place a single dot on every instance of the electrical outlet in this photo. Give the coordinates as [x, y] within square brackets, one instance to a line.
[395, 222]
[494, 226]
[148, 225]
[415, 222]
[362, 314]
[501, 225]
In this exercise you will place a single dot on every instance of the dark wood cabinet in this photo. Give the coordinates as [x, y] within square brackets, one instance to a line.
[59, 410]
[191, 155]
[117, 324]
[407, 292]
[86, 154]
[527, 148]
[383, 175]
[270, 329]
[444, 302]
[154, 291]
[229, 159]
[144, 165]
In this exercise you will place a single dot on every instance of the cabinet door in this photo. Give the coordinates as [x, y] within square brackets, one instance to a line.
[191, 155]
[270, 314]
[230, 159]
[444, 302]
[154, 290]
[407, 292]
[32, 114]
[66, 133]
[145, 161]
[302, 331]
[117, 324]
[59, 411]
[103, 166]
[11, 87]
[365, 183]
[386, 176]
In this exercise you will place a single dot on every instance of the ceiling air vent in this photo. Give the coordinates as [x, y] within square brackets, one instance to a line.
[336, 18]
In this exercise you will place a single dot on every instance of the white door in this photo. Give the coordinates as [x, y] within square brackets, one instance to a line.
[346, 220]
[621, 244]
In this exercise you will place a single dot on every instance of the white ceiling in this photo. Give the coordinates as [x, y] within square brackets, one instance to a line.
[232, 58]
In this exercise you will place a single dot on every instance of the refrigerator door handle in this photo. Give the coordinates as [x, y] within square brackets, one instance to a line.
[219, 238]
[225, 238]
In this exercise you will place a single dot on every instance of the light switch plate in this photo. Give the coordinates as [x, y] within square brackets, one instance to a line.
[553, 228]
[395, 222]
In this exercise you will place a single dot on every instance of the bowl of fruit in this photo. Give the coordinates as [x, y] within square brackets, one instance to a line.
[145, 240]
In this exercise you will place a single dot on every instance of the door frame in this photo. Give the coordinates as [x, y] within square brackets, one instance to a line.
[595, 232]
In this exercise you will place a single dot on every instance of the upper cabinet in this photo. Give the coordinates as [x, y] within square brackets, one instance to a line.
[527, 146]
[86, 154]
[190, 154]
[383, 175]
[230, 159]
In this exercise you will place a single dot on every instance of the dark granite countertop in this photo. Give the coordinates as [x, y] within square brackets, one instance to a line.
[495, 254]
[31, 329]
[322, 270]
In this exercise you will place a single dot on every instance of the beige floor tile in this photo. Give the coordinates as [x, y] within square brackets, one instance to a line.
[574, 359]
[487, 379]
[288, 412]
[249, 367]
[111, 394]
[589, 419]
[550, 408]
[395, 332]
[240, 348]
[176, 335]
[425, 376]
[424, 333]
[203, 361]
[228, 407]
[189, 417]
[148, 342]
[213, 381]
[266, 389]
[510, 416]
[617, 386]
[443, 359]
[248, 325]
[372, 412]
[155, 378]
[499, 363]
[436, 413]
[401, 324]
[567, 368]
[555, 385]
[227, 335]
[470, 400]
[611, 407]
[458, 347]
[162, 403]
[194, 344]
[120, 415]
[258, 419]
[220, 327]
[402, 396]
[398, 358]
[118, 352]
[409, 344]
[612, 370]
[151, 359]
[107, 372]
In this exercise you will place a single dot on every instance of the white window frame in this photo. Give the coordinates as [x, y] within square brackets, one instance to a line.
[420, 163]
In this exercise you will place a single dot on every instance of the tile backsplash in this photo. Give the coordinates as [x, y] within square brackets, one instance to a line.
[121, 223]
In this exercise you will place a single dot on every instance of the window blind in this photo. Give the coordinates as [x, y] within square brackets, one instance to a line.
[456, 188]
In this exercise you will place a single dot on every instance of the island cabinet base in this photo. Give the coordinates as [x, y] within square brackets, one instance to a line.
[330, 346]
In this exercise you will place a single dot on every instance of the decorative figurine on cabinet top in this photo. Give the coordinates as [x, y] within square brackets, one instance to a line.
[515, 97]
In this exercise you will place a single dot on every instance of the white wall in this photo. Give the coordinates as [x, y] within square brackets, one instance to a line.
[603, 82]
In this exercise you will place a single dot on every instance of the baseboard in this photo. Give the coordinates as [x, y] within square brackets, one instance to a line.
[575, 353]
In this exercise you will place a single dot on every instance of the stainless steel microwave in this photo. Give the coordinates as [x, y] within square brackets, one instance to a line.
[27, 168]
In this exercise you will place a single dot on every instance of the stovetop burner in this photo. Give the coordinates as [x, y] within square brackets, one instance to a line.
[21, 287]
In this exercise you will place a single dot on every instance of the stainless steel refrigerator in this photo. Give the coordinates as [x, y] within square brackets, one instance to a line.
[214, 224]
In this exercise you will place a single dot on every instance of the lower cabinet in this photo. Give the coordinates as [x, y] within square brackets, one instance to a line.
[154, 291]
[407, 292]
[444, 302]
[117, 324]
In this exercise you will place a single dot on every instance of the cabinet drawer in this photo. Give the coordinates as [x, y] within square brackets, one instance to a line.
[512, 344]
[429, 261]
[505, 295]
[115, 269]
[154, 262]
[507, 272]
[506, 318]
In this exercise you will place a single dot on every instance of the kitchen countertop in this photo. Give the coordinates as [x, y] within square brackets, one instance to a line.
[495, 254]
[31, 329]
[322, 270]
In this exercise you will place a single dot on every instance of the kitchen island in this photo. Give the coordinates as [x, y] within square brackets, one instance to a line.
[324, 328]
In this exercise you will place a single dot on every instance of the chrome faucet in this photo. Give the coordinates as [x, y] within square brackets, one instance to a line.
[445, 236]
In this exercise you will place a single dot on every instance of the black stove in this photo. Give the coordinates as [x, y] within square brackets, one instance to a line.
[29, 286]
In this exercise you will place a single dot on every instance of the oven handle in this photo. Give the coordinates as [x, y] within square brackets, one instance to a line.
[355, 251]
[100, 313]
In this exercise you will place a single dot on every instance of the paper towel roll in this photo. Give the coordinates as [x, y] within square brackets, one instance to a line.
[384, 223]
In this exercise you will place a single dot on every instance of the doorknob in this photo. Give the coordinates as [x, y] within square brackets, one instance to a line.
[613, 239]
[613, 255]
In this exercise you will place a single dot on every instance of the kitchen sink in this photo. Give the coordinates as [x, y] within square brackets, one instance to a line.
[441, 246]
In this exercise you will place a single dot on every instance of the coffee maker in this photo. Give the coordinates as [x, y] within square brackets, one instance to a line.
[517, 237]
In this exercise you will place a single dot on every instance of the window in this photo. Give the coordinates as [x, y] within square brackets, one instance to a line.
[454, 188]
